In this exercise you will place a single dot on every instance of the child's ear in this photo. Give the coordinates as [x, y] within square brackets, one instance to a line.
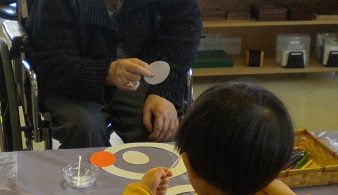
[191, 172]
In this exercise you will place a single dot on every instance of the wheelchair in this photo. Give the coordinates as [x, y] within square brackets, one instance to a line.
[20, 115]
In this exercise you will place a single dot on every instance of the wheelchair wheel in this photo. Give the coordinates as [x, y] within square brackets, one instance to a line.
[8, 9]
[9, 115]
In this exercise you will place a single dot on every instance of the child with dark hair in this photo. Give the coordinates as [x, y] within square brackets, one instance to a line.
[234, 140]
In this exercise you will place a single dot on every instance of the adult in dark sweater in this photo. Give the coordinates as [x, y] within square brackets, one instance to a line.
[90, 56]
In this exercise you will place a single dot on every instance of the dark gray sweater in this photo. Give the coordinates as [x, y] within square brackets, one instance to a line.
[74, 42]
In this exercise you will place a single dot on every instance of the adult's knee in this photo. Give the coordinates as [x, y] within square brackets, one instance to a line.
[78, 123]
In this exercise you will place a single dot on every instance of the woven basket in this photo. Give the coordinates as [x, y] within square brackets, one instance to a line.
[327, 159]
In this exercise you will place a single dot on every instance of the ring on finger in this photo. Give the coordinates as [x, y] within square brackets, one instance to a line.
[130, 84]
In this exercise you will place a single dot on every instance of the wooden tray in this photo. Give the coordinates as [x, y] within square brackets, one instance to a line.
[327, 159]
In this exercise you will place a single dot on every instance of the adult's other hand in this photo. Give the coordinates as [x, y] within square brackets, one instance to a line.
[160, 118]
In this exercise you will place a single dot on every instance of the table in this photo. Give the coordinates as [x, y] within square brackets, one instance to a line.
[41, 172]
[38, 173]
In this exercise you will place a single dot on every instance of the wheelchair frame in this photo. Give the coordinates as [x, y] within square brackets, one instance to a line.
[21, 114]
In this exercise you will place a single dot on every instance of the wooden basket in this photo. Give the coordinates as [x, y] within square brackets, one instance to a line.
[327, 159]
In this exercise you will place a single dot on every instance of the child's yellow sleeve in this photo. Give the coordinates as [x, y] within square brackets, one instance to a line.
[136, 189]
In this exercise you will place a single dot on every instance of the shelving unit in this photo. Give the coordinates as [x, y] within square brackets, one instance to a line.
[321, 20]
[261, 35]
[270, 67]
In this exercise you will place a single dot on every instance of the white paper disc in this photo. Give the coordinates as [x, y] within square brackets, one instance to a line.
[135, 157]
[160, 69]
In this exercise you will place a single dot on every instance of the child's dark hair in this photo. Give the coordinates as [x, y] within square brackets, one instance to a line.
[237, 137]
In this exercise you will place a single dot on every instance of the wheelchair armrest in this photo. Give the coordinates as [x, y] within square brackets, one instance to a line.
[16, 38]
[188, 95]
[190, 91]
[34, 102]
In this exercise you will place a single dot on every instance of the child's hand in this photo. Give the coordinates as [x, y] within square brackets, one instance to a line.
[157, 180]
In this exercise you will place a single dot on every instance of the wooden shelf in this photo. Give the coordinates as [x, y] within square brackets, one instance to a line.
[263, 38]
[321, 20]
[269, 67]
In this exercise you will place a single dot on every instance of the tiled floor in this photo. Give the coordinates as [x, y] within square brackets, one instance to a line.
[312, 98]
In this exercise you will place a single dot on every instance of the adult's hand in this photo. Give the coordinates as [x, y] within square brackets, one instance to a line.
[160, 118]
[126, 73]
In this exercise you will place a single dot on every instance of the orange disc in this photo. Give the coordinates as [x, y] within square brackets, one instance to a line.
[102, 159]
